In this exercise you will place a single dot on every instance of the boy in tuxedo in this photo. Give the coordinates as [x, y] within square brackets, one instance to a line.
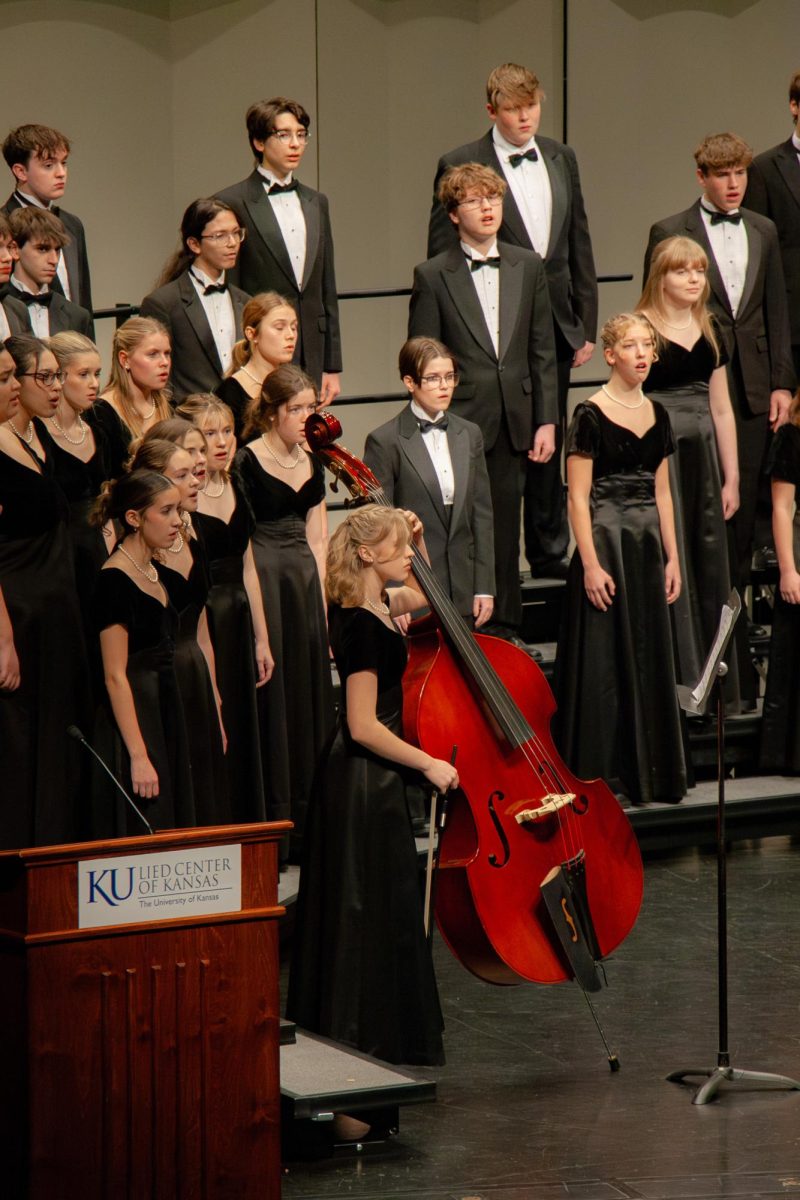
[289, 246]
[489, 303]
[37, 156]
[431, 461]
[195, 303]
[773, 189]
[543, 210]
[39, 238]
[13, 313]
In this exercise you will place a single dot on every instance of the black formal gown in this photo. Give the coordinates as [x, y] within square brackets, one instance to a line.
[679, 381]
[232, 634]
[780, 723]
[618, 715]
[206, 755]
[115, 434]
[44, 770]
[296, 706]
[231, 392]
[361, 970]
[152, 631]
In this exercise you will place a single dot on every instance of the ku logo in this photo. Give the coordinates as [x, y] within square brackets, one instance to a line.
[107, 885]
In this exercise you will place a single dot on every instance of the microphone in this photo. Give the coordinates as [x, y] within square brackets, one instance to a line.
[75, 733]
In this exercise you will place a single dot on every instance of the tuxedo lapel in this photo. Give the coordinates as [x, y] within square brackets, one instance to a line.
[458, 442]
[513, 223]
[754, 256]
[239, 302]
[510, 300]
[196, 316]
[310, 205]
[70, 253]
[457, 281]
[419, 459]
[789, 167]
[696, 230]
[263, 218]
[558, 190]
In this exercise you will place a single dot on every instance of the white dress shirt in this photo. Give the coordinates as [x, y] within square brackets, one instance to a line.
[5, 328]
[796, 144]
[289, 215]
[38, 314]
[439, 450]
[729, 243]
[487, 285]
[530, 186]
[218, 308]
[61, 269]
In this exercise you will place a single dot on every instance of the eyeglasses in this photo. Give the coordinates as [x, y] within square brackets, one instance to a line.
[227, 235]
[285, 136]
[478, 202]
[437, 381]
[44, 378]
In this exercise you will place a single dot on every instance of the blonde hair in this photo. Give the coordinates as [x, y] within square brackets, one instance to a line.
[127, 338]
[616, 327]
[253, 314]
[201, 405]
[69, 344]
[514, 84]
[671, 255]
[152, 454]
[364, 526]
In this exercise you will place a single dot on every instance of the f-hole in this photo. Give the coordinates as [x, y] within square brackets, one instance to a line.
[501, 833]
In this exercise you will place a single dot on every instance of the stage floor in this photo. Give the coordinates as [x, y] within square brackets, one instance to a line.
[527, 1108]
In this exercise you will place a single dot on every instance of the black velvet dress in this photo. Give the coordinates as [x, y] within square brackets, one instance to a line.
[679, 381]
[780, 724]
[152, 629]
[361, 970]
[231, 392]
[232, 634]
[115, 434]
[618, 716]
[296, 709]
[44, 770]
[206, 754]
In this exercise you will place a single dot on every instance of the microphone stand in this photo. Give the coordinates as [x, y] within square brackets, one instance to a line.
[695, 702]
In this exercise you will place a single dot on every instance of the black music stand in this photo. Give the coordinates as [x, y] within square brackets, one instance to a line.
[695, 701]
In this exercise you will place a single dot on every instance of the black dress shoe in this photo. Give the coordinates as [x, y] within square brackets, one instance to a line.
[553, 568]
[506, 634]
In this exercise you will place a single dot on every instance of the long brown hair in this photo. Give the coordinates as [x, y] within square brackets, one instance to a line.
[674, 254]
[279, 387]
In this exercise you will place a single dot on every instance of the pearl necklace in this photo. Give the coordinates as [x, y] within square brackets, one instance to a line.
[177, 548]
[27, 436]
[250, 375]
[78, 441]
[147, 416]
[383, 609]
[146, 571]
[214, 495]
[284, 466]
[680, 328]
[622, 403]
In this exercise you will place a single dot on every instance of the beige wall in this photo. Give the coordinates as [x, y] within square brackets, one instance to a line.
[153, 93]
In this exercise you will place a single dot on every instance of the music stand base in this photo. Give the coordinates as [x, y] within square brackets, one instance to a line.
[716, 1076]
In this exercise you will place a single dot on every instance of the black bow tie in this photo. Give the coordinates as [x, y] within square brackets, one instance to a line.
[215, 287]
[516, 159]
[45, 299]
[275, 189]
[475, 264]
[426, 426]
[718, 217]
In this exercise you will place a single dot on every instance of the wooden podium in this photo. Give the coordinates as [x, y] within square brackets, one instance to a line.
[140, 1058]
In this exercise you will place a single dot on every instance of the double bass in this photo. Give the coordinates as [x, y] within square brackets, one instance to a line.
[539, 872]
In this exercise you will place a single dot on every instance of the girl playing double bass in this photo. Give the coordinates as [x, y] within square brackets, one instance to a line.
[361, 970]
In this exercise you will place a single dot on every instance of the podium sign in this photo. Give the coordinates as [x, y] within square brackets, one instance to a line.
[155, 887]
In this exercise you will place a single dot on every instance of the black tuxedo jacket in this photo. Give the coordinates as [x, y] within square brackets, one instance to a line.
[569, 262]
[63, 313]
[521, 380]
[757, 338]
[17, 316]
[773, 189]
[75, 255]
[264, 266]
[461, 548]
[196, 365]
